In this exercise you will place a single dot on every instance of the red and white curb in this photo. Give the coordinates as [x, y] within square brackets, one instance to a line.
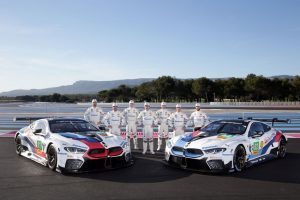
[292, 135]
[7, 133]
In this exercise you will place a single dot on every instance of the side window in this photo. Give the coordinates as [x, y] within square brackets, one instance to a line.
[255, 127]
[266, 127]
[41, 125]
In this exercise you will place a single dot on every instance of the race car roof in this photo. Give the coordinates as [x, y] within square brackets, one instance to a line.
[245, 122]
[54, 120]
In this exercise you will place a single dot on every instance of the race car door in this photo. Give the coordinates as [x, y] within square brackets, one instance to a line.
[39, 133]
[257, 140]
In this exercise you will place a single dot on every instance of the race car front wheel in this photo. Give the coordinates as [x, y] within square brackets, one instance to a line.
[239, 158]
[281, 152]
[52, 157]
[19, 147]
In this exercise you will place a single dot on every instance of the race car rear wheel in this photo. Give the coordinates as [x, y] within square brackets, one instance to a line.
[52, 157]
[281, 151]
[19, 146]
[239, 158]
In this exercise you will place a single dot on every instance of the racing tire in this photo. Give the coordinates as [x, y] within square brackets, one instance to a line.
[52, 157]
[281, 151]
[239, 158]
[19, 146]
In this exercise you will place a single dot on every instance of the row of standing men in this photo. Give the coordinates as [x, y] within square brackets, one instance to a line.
[132, 118]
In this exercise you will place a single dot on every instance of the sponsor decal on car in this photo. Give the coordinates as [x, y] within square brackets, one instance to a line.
[261, 144]
[224, 136]
[255, 147]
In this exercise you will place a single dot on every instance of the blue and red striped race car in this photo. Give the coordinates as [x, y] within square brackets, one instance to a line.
[71, 145]
[226, 145]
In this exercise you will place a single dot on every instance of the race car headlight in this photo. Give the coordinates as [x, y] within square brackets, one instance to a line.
[74, 150]
[125, 145]
[169, 144]
[215, 150]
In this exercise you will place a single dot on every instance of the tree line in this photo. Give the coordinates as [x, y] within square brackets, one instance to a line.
[167, 88]
[55, 97]
[171, 89]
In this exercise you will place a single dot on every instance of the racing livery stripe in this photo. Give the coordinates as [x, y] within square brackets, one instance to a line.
[34, 149]
[266, 147]
[91, 142]
[278, 136]
[78, 137]
[92, 145]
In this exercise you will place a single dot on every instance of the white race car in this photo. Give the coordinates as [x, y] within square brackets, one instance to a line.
[226, 146]
[71, 145]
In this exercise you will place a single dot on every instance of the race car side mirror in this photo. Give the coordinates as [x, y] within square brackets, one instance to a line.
[36, 131]
[101, 128]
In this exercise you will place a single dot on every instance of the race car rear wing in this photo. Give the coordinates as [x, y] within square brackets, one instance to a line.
[272, 120]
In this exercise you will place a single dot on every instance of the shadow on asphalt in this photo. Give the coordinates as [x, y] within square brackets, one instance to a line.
[151, 169]
[278, 170]
[146, 169]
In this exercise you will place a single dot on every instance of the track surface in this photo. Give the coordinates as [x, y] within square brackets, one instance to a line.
[148, 179]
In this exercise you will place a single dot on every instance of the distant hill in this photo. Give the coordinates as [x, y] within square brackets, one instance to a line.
[93, 87]
[79, 87]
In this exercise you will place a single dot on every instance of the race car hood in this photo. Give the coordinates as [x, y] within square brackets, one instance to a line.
[89, 139]
[193, 140]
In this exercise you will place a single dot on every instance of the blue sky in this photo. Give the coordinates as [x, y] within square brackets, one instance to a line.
[57, 42]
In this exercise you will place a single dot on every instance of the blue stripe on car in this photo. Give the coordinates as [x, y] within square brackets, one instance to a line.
[263, 150]
[78, 137]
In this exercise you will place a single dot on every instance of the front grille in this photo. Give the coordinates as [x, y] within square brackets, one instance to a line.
[96, 151]
[194, 151]
[115, 149]
[180, 149]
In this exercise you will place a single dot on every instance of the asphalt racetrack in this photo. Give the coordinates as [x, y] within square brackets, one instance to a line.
[148, 178]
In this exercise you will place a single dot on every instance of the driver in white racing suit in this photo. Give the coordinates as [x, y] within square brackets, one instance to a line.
[178, 121]
[94, 114]
[198, 118]
[148, 120]
[113, 120]
[163, 128]
[130, 117]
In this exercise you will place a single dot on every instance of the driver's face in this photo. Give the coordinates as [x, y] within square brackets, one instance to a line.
[94, 104]
[131, 105]
[163, 107]
[178, 109]
[147, 107]
[197, 108]
[115, 108]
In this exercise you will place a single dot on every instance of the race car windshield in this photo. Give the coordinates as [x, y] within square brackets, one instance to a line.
[233, 128]
[218, 127]
[71, 126]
